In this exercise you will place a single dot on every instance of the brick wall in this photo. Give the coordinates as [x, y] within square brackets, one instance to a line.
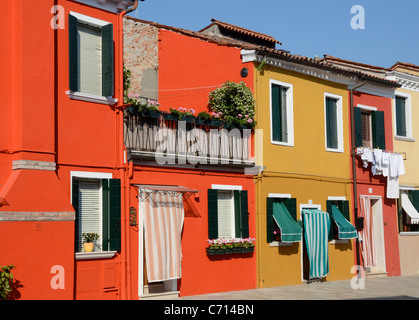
[141, 57]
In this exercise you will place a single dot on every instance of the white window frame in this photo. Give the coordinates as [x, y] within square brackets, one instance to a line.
[82, 96]
[290, 112]
[90, 175]
[409, 126]
[339, 124]
[230, 188]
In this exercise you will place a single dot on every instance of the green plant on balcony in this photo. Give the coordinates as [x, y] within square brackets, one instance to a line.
[6, 279]
[234, 103]
[183, 114]
[224, 246]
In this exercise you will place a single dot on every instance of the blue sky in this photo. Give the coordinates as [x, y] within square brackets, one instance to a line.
[307, 27]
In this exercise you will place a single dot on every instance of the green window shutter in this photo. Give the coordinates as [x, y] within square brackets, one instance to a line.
[212, 214]
[415, 199]
[378, 130]
[401, 117]
[73, 53]
[244, 214]
[269, 220]
[107, 61]
[276, 113]
[358, 127]
[105, 221]
[115, 214]
[291, 205]
[344, 209]
[75, 203]
[111, 195]
[331, 123]
[332, 229]
[237, 214]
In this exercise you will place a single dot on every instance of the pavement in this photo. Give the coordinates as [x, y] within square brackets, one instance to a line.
[372, 288]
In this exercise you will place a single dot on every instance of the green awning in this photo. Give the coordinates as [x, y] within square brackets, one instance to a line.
[346, 229]
[290, 229]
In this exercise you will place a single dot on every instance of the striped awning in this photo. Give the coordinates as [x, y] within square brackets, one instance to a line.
[163, 224]
[346, 229]
[316, 235]
[290, 229]
[408, 207]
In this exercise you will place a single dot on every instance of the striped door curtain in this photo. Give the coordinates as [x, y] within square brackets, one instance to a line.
[367, 236]
[316, 235]
[163, 223]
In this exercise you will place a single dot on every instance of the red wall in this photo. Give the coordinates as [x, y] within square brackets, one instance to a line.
[197, 66]
[367, 184]
[200, 273]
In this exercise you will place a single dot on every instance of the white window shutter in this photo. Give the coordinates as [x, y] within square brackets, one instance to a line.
[225, 214]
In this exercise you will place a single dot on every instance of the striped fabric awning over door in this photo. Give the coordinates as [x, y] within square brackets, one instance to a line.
[316, 235]
[367, 235]
[163, 223]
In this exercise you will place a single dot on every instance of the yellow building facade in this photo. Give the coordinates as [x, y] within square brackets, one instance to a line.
[301, 164]
[405, 123]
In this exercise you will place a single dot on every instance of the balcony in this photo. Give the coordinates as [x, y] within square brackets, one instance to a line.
[160, 139]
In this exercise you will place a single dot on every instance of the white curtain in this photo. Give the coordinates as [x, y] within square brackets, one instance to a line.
[367, 234]
[90, 59]
[163, 223]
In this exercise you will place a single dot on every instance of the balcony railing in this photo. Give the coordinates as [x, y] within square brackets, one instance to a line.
[181, 142]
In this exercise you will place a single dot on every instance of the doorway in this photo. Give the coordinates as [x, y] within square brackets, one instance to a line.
[373, 242]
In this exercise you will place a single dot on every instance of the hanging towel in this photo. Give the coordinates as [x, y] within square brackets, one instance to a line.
[377, 168]
[396, 169]
[316, 235]
[385, 163]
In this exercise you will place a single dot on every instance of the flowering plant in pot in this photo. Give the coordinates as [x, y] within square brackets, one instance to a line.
[183, 114]
[234, 103]
[89, 239]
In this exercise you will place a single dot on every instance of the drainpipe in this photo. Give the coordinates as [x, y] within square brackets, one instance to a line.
[351, 97]
[125, 235]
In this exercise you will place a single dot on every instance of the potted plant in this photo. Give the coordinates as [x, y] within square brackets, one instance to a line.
[216, 119]
[183, 114]
[6, 279]
[89, 239]
[203, 118]
[216, 247]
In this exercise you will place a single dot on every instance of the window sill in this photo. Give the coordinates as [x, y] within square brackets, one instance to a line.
[280, 244]
[338, 241]
[334, 150]
[404, 138]
[95, 255]
[285, 144]
[91, 98]
[409, 233]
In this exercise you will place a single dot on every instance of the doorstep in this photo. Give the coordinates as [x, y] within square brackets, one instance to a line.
[376, 274]
[167, 295]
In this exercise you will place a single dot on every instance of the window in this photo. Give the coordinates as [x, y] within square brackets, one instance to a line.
[334, 122]
[282, 130]
[91, 56]
[343, 206]
[227, 214]
[97, 202]
[369, 128]
[275, 232]
[403, 122]
[408, 209]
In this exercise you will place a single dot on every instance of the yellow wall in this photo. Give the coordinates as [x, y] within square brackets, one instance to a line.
[306, 171]
[411, 178]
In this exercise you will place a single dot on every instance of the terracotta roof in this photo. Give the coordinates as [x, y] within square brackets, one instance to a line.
[405, 65]
[244, 31]
[275, 53]
[368, 66]
[323, 64]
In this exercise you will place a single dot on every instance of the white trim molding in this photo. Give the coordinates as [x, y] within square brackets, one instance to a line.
[74, 95]
[226, 187]
[408, 116]
[280, 195]
[339, 120]
[407, 81]
[290, 112]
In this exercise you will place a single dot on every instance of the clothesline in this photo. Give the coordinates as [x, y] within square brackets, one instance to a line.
[387, 164]
[404, 154]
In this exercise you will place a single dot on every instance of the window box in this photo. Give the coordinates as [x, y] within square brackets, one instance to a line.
[170, 117]
[213, 252]
[155, 114]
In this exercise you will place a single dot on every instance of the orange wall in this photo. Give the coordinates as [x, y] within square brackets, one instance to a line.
[187, 62]
[367, 184]
[200, 273]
